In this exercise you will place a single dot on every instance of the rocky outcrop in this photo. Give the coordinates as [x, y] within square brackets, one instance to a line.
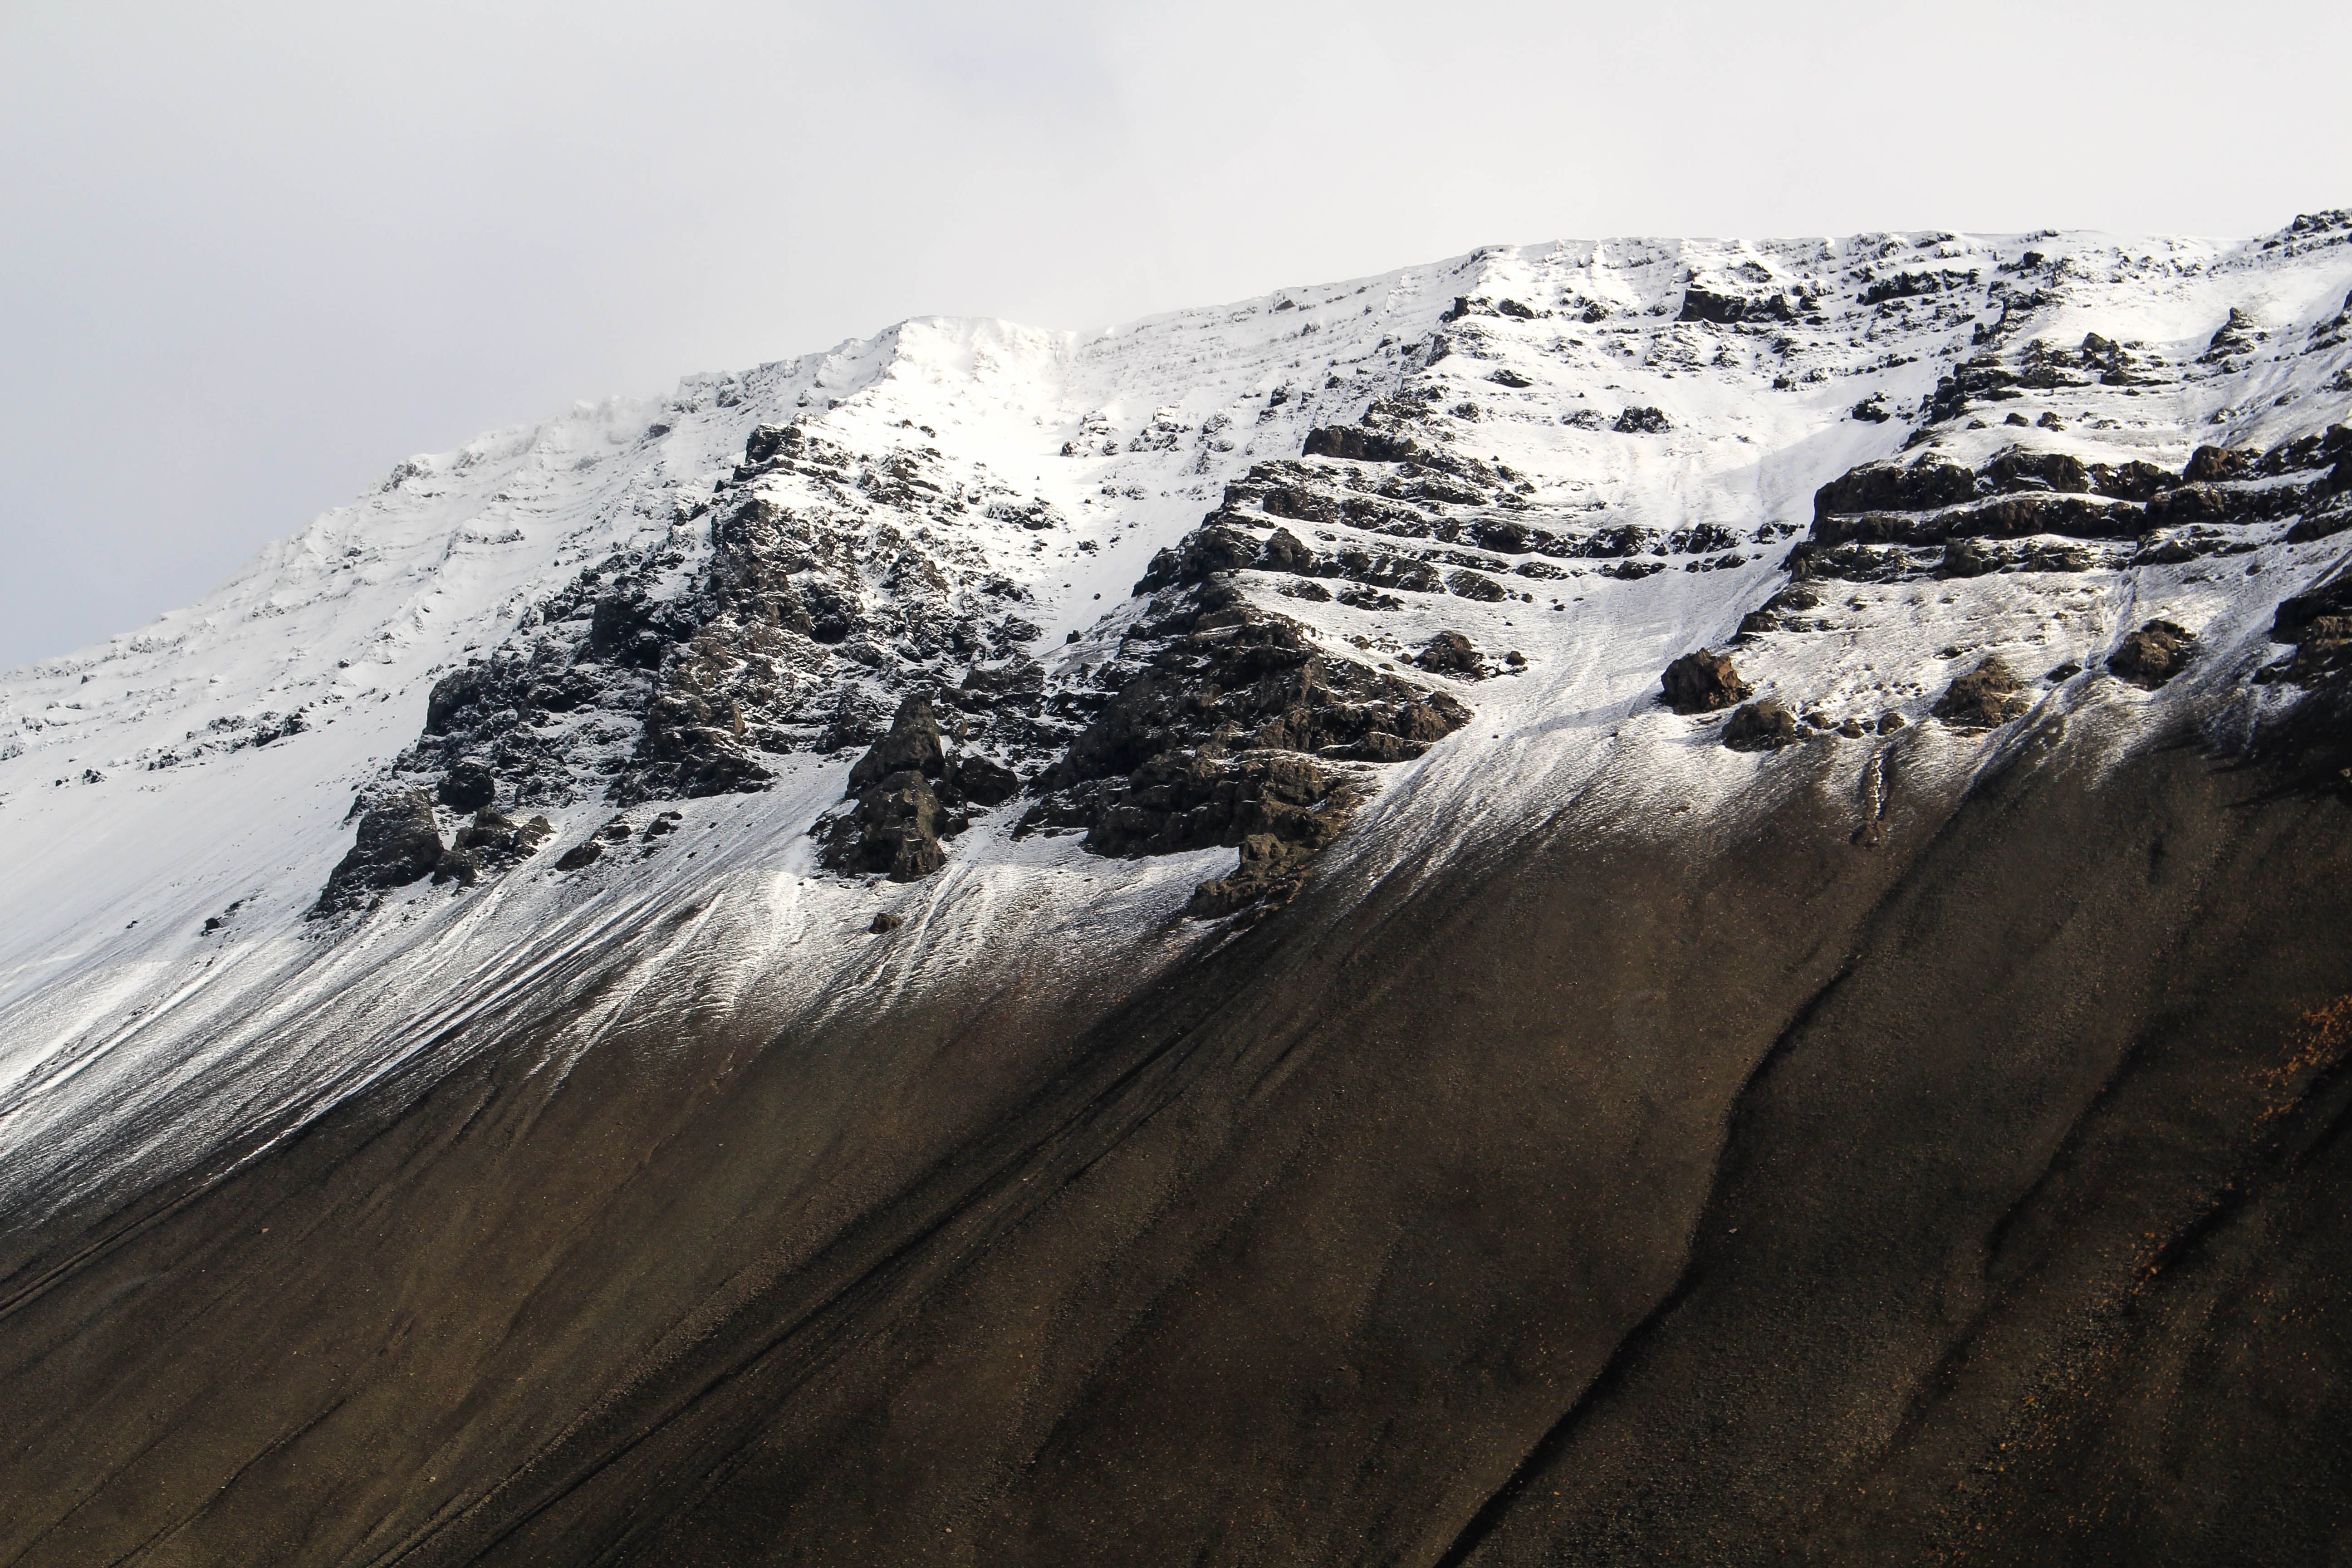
[1765, 726]
[468, 786]
[897, 820]
[1985, 698]
[1224, 725]
[1703, 682]
[2153, 655]
[398, 843]
[1356, 444]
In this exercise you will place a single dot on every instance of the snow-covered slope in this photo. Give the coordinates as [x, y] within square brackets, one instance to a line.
[971, 494]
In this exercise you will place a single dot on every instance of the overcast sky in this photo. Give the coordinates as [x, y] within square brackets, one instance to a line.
[251, 256]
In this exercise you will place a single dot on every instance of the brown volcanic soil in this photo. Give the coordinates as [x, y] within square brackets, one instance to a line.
[1601, 1197]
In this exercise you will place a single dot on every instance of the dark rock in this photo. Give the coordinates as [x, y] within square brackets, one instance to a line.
[2134, 481]
[587, 852]
[468, 786]
[2300, 615]
[398, 843]
[1988, 696]
[1701, 304]
[1472, 586]
[765, 441]
[893, 828]
[1199, 555]
[1978, 557]
[1510, 378]
[2020, 469]
[899, 819]
[982, 782]
[2208, 464]
[1286, 552]
[2003, 517]
[1642, 422]
[1871, 410]
[1448, 653]
[885, 922]
[1226, 735]
[1930, 483]
[1890, 721]
[495, 840]
[452, 695]
[1356, 444]
[1765, 726]
[457, 865]
[2237, 335]
[1703, 682]
[913, 743]
[2153, 655]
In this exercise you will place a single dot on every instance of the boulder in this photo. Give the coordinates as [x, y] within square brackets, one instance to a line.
[1765, 726]
[1448, 653]
[1642, 422]
[2208, 464]
[2153, 655]
[1988, 696]
[398, 843]
[587, 852]
[1703, 682]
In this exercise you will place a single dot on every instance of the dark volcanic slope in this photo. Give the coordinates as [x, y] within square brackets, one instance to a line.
[1630, 903]
[1969, 1196]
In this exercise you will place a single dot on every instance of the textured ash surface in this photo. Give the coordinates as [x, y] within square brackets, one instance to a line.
[1641, 902]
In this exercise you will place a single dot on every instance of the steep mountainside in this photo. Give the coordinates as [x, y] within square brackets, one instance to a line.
[1639, 901]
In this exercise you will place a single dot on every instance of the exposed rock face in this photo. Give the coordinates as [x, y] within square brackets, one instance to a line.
[1702, 682]
[399, 843]
[897, 820]
[1985, 698]
[1225, 727]
[470, 786]
[1765, 726]
[1875, 522]
[496, 840]
[2153, 655]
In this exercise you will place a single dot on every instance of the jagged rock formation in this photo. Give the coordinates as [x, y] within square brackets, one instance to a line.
[1043, 947]
[1702, 682]
[398, 842]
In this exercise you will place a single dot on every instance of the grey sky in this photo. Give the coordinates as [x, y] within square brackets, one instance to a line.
[251, 256]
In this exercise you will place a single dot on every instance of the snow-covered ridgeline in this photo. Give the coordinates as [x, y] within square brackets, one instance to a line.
[202, 769]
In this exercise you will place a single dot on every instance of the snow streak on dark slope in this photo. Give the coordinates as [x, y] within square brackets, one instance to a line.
[1024, 946]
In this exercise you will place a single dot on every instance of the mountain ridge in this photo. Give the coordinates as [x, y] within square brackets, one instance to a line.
[1330, 623]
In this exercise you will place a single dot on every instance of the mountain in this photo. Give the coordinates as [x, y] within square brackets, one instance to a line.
[1633, 902]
